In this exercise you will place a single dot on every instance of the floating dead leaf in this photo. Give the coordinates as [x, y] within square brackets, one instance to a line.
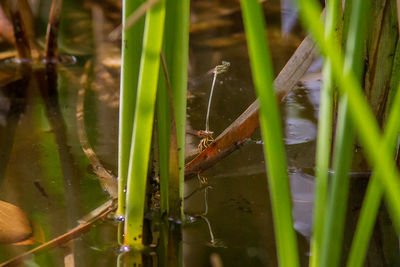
[14, 225]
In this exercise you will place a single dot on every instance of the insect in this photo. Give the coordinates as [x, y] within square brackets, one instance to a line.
[202, 180]
[206, 141]
[207, 134]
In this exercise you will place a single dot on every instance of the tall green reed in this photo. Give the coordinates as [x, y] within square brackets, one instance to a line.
[177, 57]
[130, 60]
[343, 145]
[324, 140]
[272, 133]
[176, 51]
[143, 125]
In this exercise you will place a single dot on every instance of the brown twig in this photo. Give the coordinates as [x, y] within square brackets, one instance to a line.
[244, 126]
[100, 214]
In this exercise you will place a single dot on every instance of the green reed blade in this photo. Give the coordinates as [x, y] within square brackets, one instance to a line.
[343, 145]
[143, 124]
[176, 52]
[378, 155]
[130, 60]
[324, 140]
[272, 133]
[177, 58]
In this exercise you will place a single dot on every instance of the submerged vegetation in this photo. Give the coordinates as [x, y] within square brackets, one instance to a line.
[146, 203]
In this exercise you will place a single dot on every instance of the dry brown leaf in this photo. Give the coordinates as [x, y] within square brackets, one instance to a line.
[14, 225]
[37, 236]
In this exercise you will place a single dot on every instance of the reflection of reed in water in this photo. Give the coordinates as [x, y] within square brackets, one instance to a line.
[205, 186]
[12, 99]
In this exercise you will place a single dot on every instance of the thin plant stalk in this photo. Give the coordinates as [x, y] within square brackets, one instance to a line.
[130, 60]
[324, 140]
[379, 156]
[272, 133]
[143, 125]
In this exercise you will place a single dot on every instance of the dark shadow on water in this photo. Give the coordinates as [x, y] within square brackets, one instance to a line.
[12, 106]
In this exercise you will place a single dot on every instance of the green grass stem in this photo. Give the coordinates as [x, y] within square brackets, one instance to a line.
[379, 156]
[143, 125]
[130, 60]
[344, 142]
[324, 140]
[272, 133]
[176, 50]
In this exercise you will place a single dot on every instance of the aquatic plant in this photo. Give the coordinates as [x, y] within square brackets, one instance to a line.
[272, 133]
[143, 125]
[170, 89]
[324, 138]
[130, 60]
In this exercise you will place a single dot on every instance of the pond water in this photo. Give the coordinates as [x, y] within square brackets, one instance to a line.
[45, 172]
